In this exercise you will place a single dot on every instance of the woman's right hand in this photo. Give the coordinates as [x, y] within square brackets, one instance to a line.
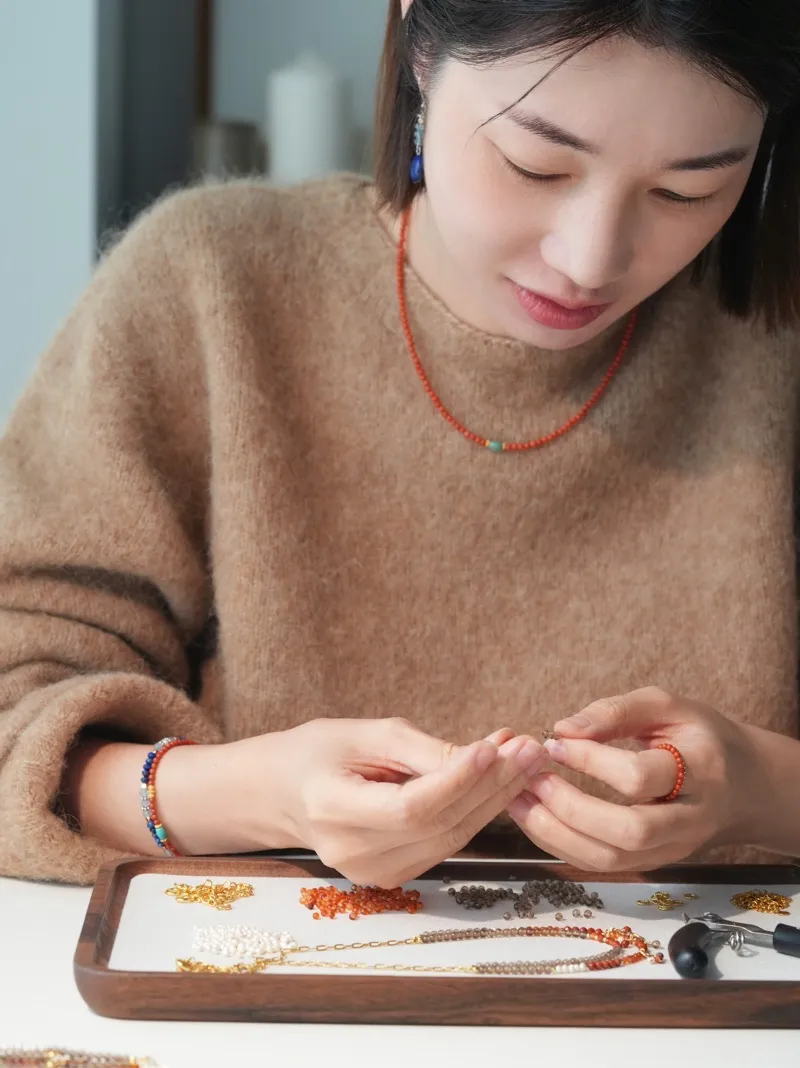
[378, 800]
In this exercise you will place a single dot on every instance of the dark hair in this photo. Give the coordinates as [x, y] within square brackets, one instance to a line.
[753, 47]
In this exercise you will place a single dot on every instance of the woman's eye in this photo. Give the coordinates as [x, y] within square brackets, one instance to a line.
[531, 176]
[677, 198]
[662, 194]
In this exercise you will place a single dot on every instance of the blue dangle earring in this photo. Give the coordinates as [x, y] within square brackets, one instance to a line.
[417, 163]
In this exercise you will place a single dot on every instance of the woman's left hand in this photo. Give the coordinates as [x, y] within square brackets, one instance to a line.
[714, 807]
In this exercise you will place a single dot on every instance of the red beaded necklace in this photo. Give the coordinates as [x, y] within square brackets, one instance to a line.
[487, 443]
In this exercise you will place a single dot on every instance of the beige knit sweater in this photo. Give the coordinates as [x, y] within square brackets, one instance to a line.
[227, 506]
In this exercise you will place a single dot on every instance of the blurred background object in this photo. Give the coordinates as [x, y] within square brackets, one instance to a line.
[251, 39]
[226, 150]
[309, 125]
[108, 104]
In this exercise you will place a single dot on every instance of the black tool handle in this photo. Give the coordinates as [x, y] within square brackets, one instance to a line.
[687, 950]
[786, 939]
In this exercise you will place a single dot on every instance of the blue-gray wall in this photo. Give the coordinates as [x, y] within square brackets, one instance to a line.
[98, 105]
[48, 184]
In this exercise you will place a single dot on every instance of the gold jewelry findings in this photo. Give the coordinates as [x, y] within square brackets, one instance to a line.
[220, 896]
[762, 901]
[664, 901]
[619, 940]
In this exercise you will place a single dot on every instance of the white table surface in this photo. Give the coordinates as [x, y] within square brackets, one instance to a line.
[40, 1006]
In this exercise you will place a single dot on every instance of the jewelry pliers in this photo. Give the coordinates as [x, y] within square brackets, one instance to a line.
[687, 947]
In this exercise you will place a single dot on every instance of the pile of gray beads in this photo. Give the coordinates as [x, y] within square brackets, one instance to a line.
[559, 892]
[480, 897]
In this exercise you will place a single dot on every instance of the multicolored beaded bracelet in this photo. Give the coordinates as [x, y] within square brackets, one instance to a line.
[147, 791]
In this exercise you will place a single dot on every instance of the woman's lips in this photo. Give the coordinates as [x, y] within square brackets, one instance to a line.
[557, 316]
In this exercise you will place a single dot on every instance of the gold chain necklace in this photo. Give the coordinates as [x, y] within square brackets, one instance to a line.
[618, 940]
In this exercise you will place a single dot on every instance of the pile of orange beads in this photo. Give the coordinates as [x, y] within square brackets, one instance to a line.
[330, 902]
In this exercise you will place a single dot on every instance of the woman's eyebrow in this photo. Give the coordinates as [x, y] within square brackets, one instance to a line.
[729, 157]
[535, 124]
[556, 135]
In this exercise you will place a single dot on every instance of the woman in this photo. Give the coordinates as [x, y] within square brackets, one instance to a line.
[232, 513]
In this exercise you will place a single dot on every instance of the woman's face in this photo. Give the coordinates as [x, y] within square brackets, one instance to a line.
[594, 191]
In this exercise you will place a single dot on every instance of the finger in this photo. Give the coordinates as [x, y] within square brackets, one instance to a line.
[399, 745]
[491, 798]
[405, 750]
[418, 753]
[518, 760]
[408, 810]
[399, 865]
[643, 713]
[505, 734]
[442, 801]
[412, 859]
[633, 829]
[547, 832]
[641, 776]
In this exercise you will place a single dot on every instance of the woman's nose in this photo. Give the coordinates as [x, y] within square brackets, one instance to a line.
[591, 243]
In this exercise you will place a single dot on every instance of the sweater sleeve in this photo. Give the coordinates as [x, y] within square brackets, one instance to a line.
[104, 582]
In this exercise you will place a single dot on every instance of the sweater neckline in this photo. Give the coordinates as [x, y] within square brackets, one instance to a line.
[450, 346]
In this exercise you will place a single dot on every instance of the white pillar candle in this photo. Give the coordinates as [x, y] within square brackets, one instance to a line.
[309, 123]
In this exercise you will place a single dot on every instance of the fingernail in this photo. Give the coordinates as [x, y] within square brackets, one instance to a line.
[580, 722]
[556, 749]
[485, 757]
[530, 755]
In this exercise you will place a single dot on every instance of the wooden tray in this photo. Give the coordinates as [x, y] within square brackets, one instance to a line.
[574, 1001]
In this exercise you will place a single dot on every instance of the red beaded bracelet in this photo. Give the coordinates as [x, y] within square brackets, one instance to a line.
[681, 772]
[147, 792]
